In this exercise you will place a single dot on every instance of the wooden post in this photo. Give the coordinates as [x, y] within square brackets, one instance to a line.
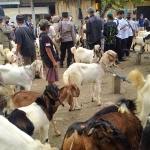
[138, 59]
[116, 82]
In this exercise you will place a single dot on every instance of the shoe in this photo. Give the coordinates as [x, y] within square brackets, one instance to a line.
[61, 65]
[122, 59]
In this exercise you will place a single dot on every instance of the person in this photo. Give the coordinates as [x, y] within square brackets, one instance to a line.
[120, 27]
[110, 32]
[4, 32]
[93, 28]
[24, 38]
[124, 35]
[48, 53]
[55, 21]
[66, 29]
[131, 33]
[85, 45]
[141, 23]
[147, 24]
[136, 24]
[52, 33]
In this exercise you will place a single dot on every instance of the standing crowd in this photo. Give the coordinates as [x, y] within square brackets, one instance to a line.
[58, 34]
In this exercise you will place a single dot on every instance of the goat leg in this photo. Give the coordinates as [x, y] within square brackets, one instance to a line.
[55, 127]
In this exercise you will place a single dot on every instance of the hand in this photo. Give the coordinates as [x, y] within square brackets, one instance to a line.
[16, 53]
[54, 65]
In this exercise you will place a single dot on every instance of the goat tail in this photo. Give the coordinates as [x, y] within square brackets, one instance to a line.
[136, 78]
[66, 77]
[73, 50]
[126, 106]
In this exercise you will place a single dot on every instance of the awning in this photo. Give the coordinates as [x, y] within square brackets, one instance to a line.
[38, 10]
[10, 2]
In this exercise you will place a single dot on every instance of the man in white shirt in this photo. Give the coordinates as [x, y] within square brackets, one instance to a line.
[120, 27]
[124, 34]
[131, 33]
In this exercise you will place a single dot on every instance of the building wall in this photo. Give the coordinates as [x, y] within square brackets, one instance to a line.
[71, 6]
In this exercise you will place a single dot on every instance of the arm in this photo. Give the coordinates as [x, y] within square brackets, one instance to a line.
[49, 53]
[17, 49]
[87, 30]
[104, 32]
[73, 34]
[4, 30]
[53, 32]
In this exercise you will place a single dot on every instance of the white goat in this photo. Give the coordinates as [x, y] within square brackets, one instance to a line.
[87, 56]
[80, 73]
[12, 138]
[21, 75]
[143, 94]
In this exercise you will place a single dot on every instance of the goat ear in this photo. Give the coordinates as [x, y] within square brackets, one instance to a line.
[91, 131]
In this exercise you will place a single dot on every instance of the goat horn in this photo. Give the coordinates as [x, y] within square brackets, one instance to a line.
[91, 131]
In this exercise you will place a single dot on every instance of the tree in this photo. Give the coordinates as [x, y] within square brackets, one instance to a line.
[105, 5]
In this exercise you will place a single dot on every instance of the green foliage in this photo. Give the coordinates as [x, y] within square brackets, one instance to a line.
[121, 3]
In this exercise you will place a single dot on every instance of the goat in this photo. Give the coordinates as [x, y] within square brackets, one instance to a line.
[21, 75]
[13, 138]
[25, 98]
[36, 116]
[145, 140]
[84, 55]
[81, 73]
[143, 90]
[115, 127]
[141, 40]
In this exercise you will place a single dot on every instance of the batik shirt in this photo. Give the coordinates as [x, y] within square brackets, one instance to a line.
[110, 32]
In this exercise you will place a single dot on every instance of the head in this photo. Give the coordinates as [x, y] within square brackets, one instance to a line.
[97, 51]
[90, 11]
[20, 19]
[109, 17]
[70, 17]
[141, 16]
[128, 16]
[55, 19]
[7, 18]
[73, 89]
[120, 14]
[48, 17]
[38, 68]
[2, 14]
[65, 15]
[44, 25]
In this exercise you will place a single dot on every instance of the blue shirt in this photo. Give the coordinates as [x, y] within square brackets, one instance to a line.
[141, 22]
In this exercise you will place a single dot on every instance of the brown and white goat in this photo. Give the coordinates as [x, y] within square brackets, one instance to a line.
[115, 127]
[25, 98]
[36, 117]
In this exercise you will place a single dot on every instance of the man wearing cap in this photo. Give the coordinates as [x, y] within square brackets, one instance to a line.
[66, 29]
[4, 32]
[131, 32]
[93, 28]
[110, 32]
[24, 38]
[48, 53]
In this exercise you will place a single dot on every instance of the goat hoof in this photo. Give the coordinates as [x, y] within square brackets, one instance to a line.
[93, 99]
[77, 108]
[98, 103]
[57, 133]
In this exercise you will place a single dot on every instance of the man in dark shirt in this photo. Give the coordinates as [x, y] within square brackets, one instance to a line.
[93, 28]
[24, 38]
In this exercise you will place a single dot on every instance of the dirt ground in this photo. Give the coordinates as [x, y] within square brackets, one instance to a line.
[64, 118]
